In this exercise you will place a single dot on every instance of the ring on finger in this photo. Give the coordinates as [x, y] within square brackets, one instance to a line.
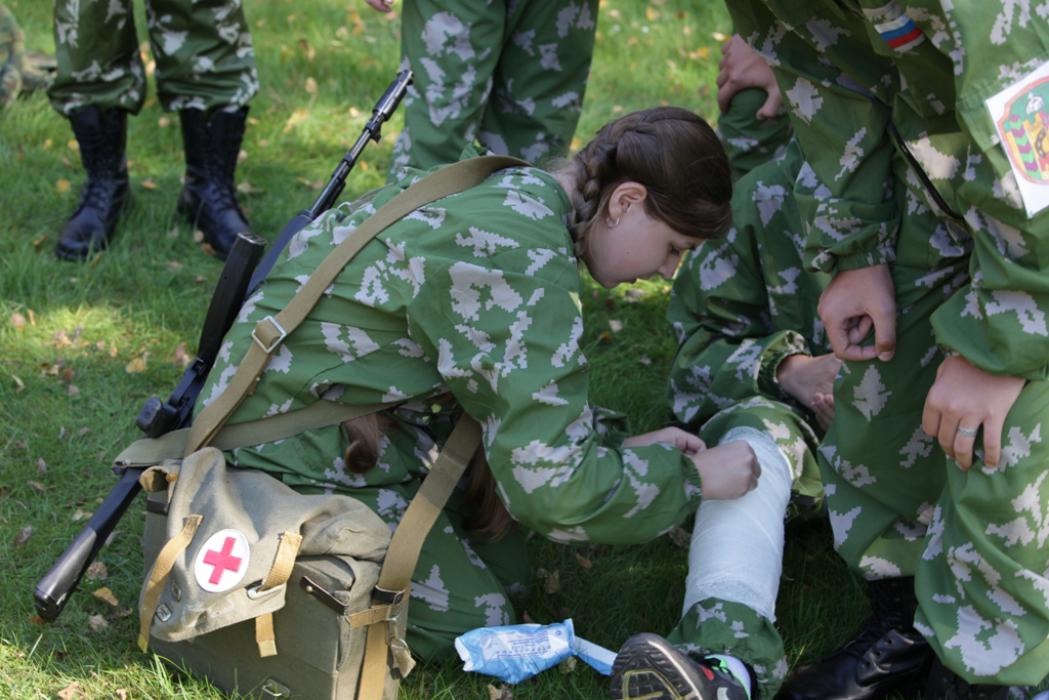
[967, 432]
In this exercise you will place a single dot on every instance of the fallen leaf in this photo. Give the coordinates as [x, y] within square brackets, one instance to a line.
[97, 623]
[174, 265]
[37, 620]
[19, 384]
[68, 374]
[72, 391]
[615, 325]
[83, 431]
[208, 249]
[21, 445]
[645, 360]
[173, 233]
[680, 537]
[297, 117]
[181, 358]
[719, 37]
[106, 596]
[199, 279]
[32, 316]
[246, 187]
[96, 572]
[37, 486]
[62, 185]
[583, 561]
[242, 155]
[198, 236]
[61, 340]
[164, 122]
[70, 692]
[148, 184]
[568, 665]
[605, 338]
[703, 53]
[122, 694]
[18, 321]
[124, 612]
[500, 692]
[138, 364]
[41, 466]
[23, 535]
[308, 51]
[632, 296]
[80, 514]
[310, 86]
[552, 584]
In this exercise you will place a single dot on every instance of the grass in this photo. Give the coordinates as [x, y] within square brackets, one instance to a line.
[81, 346]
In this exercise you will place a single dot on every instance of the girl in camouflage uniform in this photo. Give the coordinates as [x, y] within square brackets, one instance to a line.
[475, 298]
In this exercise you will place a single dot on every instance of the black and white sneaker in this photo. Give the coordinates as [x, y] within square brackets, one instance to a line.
[649, 667]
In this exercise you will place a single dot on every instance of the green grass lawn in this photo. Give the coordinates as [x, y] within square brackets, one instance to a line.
[81, 346]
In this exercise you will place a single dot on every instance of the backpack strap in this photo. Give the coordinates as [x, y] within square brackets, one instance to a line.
[271, 331]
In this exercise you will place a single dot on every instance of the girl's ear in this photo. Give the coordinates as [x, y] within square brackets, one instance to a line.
[625, 196]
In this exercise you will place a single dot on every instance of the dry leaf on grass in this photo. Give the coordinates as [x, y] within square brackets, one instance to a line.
[174, 265]
[583, 561]
[138, 364]
[37, 486]
[568, 665]
[106, 596]
[72, 391]
[96, 572]
[80, 514]
[19, 384]
[499, 692]
[552, 584]
[23, 535]
[615, 325]
[41, 465]
[148, 184]
[122, 694]
[62, 185]
[18, 321]
[70, 692]
[181, 358]
[645, 360]
[311, 86]
[97, 623]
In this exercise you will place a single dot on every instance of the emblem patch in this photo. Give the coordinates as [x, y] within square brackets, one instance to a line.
[1021, 118]
[222, 562]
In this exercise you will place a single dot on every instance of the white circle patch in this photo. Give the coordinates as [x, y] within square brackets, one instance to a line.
[222, 561]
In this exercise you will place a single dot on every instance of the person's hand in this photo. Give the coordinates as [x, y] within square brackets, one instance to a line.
[963, 399]
[742, 67]
[810, 380]
[380, 5]
[854, 302]
[686, 442]
[727, 471]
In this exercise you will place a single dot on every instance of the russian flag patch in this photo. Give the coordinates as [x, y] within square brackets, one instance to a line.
[901, 33]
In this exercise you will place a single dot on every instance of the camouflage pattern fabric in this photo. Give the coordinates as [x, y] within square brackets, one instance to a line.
[508, 74]
[750, 142]
[476, 295]
[975, 285]
[739, 306]
[202, 49]
[12, 51]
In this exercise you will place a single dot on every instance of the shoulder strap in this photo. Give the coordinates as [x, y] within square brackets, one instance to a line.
[271, 331]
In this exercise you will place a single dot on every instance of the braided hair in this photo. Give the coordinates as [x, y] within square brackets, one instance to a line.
[672, 152]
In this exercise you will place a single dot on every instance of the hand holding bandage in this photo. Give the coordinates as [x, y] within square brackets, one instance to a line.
[963, 399]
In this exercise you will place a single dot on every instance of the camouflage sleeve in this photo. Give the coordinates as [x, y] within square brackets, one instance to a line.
[850, 214]
[504, 330]
[728, 348]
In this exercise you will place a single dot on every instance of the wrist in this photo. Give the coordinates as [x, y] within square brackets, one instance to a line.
[787, 370]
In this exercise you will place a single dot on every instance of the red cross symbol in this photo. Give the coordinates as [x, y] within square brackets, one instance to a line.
[222, 560]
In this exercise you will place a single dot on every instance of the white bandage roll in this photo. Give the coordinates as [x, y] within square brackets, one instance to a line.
[737, 545]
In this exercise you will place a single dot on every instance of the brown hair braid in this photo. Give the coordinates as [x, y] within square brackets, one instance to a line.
[672, 152]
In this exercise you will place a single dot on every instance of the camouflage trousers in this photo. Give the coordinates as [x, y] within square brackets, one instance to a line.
[975, 540]
[723, 626]
[509, 74]
[459, 583]
[202, 48]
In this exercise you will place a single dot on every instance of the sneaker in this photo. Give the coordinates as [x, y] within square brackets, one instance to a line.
[649, 667]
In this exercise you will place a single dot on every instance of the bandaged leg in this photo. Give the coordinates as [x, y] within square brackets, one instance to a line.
[737, 545]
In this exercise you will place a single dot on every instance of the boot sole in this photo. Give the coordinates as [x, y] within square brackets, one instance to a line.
[648, 668]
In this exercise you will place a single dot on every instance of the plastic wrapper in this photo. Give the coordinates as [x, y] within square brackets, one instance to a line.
[513, 653]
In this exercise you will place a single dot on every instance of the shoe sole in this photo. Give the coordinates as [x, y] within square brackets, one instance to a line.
[648, 668]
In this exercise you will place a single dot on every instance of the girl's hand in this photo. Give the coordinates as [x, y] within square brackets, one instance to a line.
[682, 440]
[729, 470]
[743, 67]
[380, 5]
[963, 399]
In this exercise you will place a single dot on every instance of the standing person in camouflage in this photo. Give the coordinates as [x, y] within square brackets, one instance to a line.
[19, 72]
[509, 74]
[471, 304]
[205, 72]
[924, 125]
[753, 364]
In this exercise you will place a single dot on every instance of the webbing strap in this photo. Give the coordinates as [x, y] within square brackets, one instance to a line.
[403, 553]
[279, 573]
[271, 331]
[151, 451]
[158, 574]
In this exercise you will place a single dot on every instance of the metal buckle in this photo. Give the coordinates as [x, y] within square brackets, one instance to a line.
[277, 341]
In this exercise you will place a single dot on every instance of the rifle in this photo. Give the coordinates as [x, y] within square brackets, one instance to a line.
[241, 275]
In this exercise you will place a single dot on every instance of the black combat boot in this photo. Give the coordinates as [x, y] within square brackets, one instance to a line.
[887, 656]
[102, 136]
[212, 141]
[945, 684]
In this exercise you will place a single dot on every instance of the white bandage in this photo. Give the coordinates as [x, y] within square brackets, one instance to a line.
[737, 545]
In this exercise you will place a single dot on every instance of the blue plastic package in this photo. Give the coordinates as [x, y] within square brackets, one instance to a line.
[513, 653]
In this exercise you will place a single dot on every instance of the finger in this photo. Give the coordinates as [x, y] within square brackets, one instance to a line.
[930, 419]
[722, 75]
[858, 353]
[992, 441]
[771, 107]
[860, 329]
[725, 93]
[964, 439]
[945, 435]
[884, 331]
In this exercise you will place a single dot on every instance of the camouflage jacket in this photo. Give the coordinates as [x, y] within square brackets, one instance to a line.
[476, 294]
[850, 71]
